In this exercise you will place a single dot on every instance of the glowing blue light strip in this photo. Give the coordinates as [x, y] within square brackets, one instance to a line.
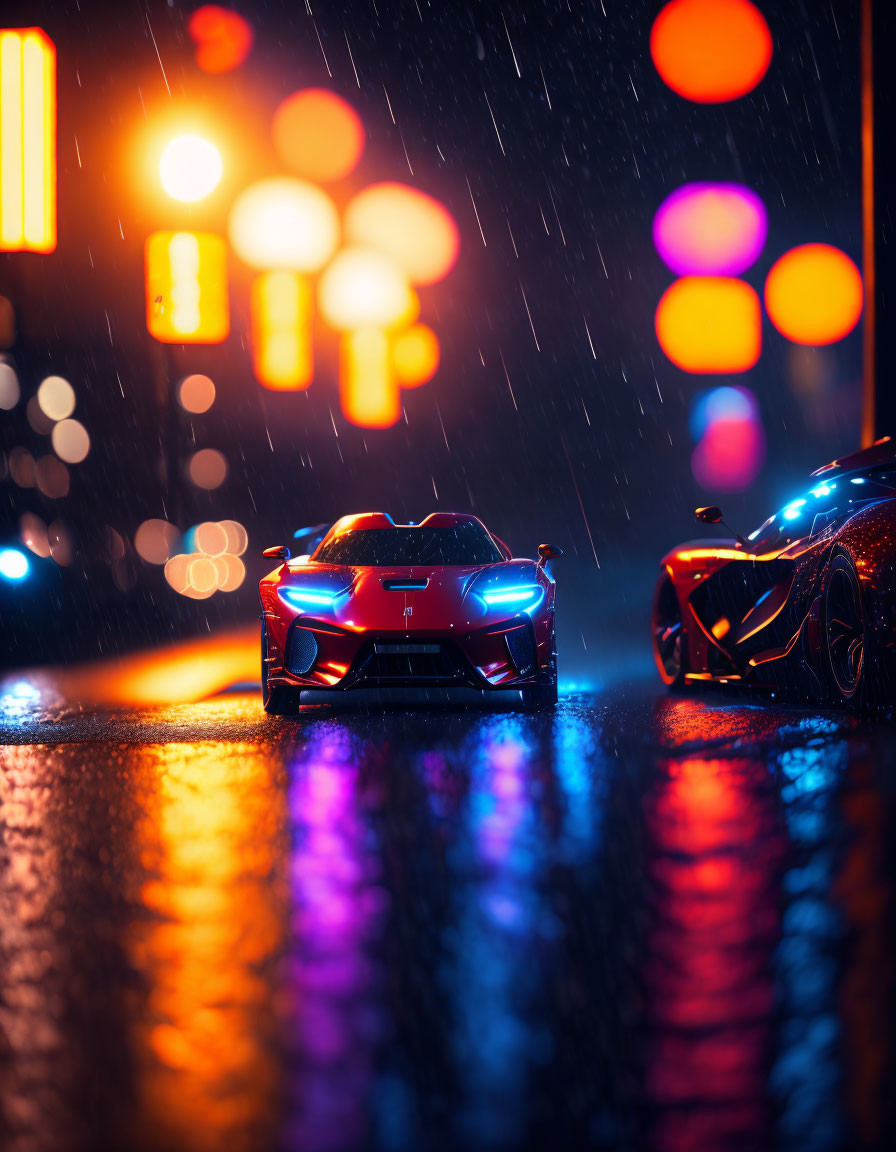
[521, 594]
[307, 596]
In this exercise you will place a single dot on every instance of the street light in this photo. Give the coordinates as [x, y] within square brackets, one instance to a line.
[190, 168]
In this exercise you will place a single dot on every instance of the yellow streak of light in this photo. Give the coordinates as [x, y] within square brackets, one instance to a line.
[186, 288]
[11, 192]
[27, 141]
[177, 673]
[281, 331]
[370, 395]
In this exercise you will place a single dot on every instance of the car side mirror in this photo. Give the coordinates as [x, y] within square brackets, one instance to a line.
[548, 552]
[709, 515]
[281, 552]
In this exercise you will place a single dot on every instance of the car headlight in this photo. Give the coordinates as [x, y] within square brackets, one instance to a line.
[308, 597]
[524, 596]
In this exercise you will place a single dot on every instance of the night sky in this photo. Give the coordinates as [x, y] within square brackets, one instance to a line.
[546, 130]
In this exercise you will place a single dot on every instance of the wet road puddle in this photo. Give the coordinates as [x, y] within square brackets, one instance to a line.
[636, 922]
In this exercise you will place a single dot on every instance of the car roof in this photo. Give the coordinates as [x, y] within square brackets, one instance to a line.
[882, 451]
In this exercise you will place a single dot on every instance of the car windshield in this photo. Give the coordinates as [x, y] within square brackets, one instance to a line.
[827, 501]
[464, 543]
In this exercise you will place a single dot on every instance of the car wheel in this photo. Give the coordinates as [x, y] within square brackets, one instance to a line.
[276, 699]
[668, 636]
[845, 629]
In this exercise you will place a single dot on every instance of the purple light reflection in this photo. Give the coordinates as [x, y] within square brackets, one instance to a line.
[710, 229]
[339, 907]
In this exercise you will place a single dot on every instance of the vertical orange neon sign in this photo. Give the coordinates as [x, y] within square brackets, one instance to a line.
[27, 141]
[186, 288]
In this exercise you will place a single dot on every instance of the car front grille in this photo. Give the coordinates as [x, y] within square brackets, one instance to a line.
[386, 661]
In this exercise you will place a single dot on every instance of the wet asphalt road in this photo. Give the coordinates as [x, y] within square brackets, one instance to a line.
[636, 922]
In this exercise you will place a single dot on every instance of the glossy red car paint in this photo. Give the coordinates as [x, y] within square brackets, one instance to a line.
[807, 604]
[402, 625]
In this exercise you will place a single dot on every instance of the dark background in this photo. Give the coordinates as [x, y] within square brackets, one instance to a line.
[591, 451]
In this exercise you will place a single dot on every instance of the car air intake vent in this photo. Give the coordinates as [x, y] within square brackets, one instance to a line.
[521, 646]
[404, 585]
[301, 651]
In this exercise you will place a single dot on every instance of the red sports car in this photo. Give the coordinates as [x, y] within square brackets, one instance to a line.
[439, 604]
[805, 604]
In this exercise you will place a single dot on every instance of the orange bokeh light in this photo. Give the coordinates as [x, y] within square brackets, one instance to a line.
[281, 331]
[186, 288]
[710, 324]
[417, 231]
[710, 51]
[370, 396]
[223, 38]
[415, 356]
[318, 135]
[362, 288]
[814, 294]
[27, 141]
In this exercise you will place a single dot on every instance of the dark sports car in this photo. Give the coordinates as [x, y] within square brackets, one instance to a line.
[440, 604]
[806, 604]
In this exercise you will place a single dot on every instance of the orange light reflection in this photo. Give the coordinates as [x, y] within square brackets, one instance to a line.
[213, 829]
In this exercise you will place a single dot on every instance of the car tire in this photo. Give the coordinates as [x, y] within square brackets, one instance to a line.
[669, 648]
[845, 629]
[276, 699]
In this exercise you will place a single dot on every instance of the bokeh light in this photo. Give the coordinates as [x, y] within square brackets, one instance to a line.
[208, 468]
[237, 538]
[720, 404]
[154, 541]
[70, 441]
[814, 294]
[364, 288]
[51, 478]
[28, 145]
[282, 351]
[56, 397]
[186, 287]
[7, 323]
[318, 135]
[196, 393]
[710, 324]
[190, 168]
[730, 456]
[711, 51]
[417, 231]
[21, 467]
[234, 574]
[13, 564]
[415, 356]
[33, 534]
[211, 538]
[9, 387]
[61, 547]
[37, 418]
[710, 229]
[370, 396]
[222, 37]
[212, 564]
[284, 223]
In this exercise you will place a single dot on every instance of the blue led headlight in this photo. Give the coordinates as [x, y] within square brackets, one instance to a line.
[307, 597]
[517, 597]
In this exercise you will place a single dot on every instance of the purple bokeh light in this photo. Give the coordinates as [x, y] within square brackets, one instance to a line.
[710, 229]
